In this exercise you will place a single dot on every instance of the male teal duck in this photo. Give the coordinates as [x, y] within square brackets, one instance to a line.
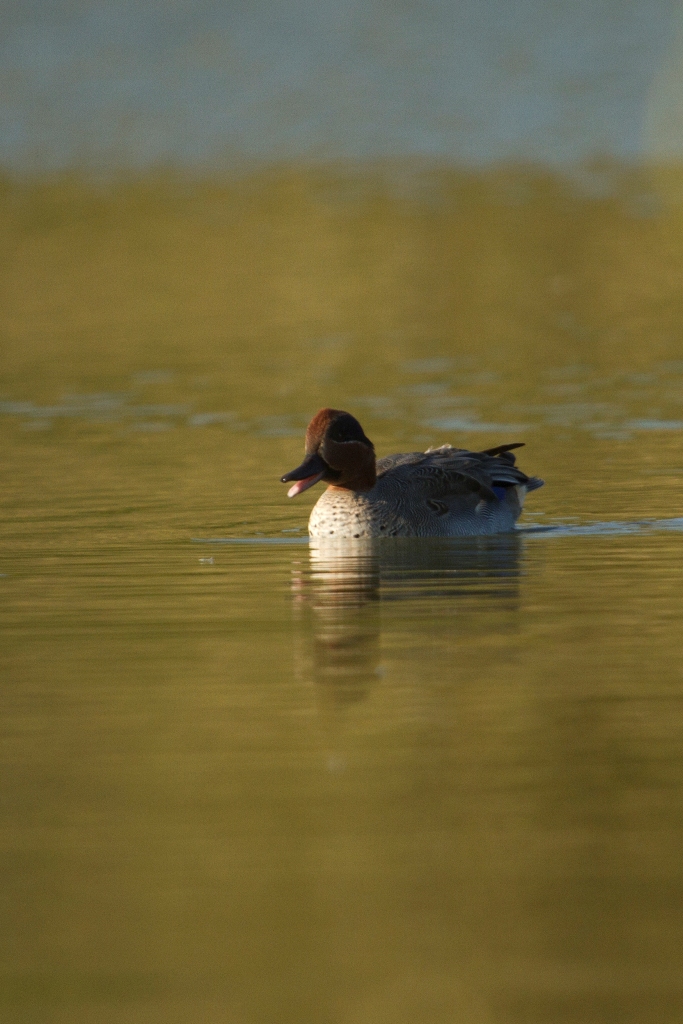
[443, 492]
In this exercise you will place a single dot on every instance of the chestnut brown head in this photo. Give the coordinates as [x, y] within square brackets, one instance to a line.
[337, 452]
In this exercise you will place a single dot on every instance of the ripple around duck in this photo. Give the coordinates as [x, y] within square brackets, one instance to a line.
[602, 528]
[559, 529]
[268, 541]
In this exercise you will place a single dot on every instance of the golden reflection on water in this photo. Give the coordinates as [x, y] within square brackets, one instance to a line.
[258, 781]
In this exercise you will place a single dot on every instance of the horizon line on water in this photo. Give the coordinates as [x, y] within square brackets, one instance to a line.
[598, 177]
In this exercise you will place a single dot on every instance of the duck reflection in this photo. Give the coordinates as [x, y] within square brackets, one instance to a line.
[341, 591]
[338, 595]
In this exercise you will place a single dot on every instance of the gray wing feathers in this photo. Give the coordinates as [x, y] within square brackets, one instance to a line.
[447, 471]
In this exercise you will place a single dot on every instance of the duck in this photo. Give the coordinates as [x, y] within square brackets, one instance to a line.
[443, 492]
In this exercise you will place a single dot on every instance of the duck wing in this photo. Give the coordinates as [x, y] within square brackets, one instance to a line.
[446, 471]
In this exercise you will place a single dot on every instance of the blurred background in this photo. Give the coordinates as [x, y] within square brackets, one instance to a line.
[243, 782]
[218, 213]
[121, 86]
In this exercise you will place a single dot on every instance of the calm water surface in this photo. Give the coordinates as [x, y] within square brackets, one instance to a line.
[247, 780]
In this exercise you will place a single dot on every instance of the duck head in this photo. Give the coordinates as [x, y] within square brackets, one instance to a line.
[337, 452]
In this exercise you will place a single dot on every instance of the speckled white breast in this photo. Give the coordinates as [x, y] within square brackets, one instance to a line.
[350, 515]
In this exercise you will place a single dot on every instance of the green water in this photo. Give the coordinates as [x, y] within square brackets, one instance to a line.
[244, 780]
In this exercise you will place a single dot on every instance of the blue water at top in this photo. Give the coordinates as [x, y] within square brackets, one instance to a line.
[121, 84]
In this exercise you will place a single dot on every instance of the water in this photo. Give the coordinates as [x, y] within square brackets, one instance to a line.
[249, 780]
[109, 83]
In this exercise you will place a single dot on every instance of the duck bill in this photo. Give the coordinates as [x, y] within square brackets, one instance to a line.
[306, 475]
[303, 485]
